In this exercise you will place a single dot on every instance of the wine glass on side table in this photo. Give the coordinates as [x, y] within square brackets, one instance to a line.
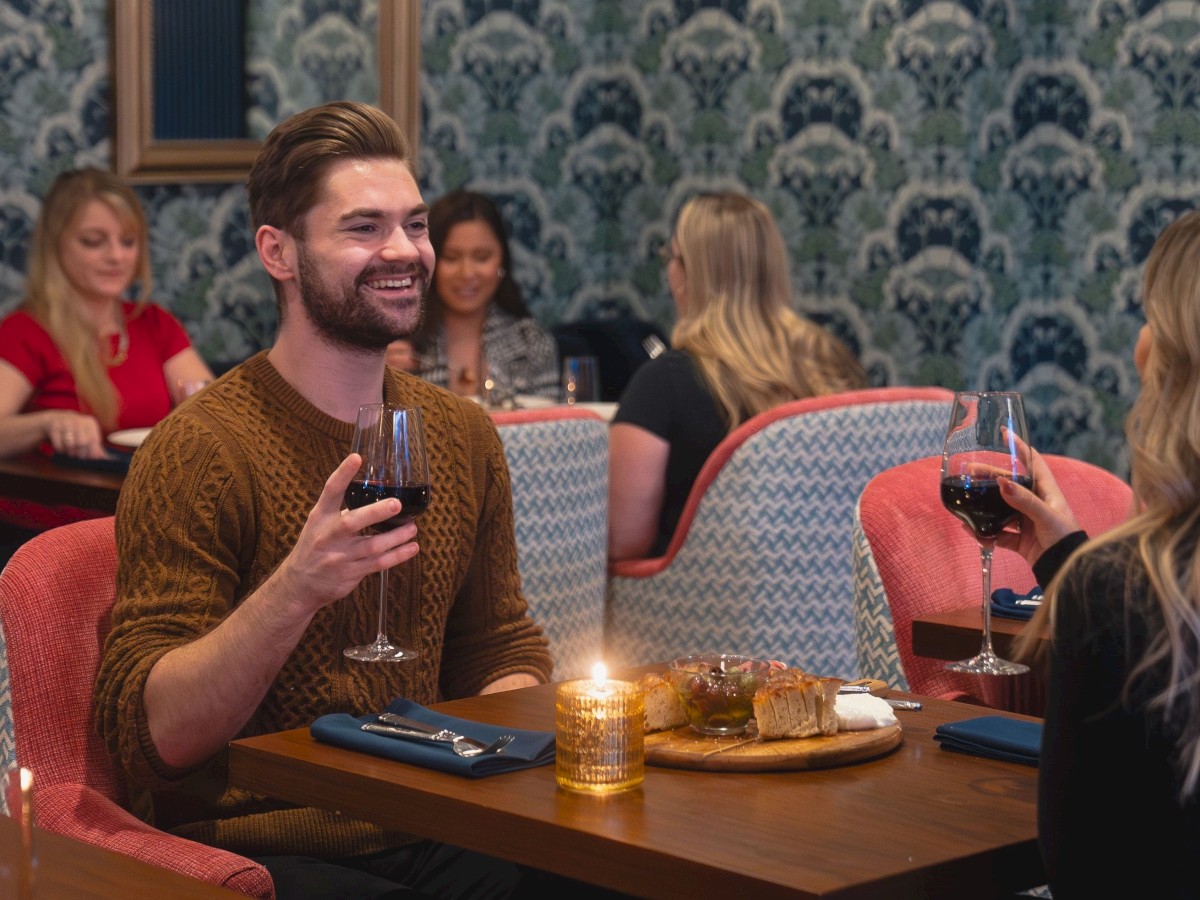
[987, 439]
[391, 442]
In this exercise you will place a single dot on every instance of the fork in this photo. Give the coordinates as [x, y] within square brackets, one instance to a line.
[653, 346]
[445, 734]
[463, 746]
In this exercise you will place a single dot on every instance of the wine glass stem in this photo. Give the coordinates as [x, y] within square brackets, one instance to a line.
[381, 637]
[985, 553]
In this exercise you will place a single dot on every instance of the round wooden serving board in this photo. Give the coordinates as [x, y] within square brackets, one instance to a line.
[683, 748]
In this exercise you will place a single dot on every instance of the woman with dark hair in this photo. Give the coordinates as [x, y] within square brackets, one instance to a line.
[476, 325]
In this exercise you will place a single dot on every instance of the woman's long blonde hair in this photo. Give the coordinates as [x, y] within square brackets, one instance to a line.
[753, 350]
[53, 301]
[1163, 430]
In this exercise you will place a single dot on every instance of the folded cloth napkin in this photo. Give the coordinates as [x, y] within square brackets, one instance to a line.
[996, 737]
[528, 749]
[1004, 603]
[859, 712]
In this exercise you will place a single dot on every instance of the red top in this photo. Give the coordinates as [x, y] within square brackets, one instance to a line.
[145, 398]
[154, 337]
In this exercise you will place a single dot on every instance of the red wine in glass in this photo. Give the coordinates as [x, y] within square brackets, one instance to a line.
[391, 441]
[987, 440]
[977, 501]
[414, 500]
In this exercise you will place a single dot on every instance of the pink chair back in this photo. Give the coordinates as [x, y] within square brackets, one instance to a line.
[56, 594]
[928, 563]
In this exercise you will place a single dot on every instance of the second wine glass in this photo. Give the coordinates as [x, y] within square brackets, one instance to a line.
[987, 439]
[391, 441]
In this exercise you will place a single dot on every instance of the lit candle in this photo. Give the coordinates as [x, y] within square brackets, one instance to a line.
[599, 738]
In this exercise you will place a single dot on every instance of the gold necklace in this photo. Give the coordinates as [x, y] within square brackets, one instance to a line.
[122, 353]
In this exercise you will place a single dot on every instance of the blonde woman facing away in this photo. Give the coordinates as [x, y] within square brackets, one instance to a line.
[1119, 775]
[738, 349]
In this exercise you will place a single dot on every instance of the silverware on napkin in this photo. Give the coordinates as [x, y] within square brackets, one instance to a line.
[404, 727]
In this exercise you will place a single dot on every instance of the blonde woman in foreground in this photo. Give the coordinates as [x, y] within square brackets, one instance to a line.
[1118, 808]
[738, 349]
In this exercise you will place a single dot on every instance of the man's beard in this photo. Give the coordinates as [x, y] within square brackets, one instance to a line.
[345, 318]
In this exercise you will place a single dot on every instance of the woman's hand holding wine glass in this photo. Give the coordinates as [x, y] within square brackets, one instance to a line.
[987, 443]
[391, 442]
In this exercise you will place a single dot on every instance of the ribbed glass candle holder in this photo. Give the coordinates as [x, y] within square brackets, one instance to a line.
[599, 738]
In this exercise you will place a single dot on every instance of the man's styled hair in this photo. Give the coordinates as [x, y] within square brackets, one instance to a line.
[287, 177]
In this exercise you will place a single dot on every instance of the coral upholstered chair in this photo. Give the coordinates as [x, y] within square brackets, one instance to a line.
[913, 558]
[558, 465]
[761, 560]
[55, 596]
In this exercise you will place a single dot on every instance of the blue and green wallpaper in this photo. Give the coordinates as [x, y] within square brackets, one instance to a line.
[968, 189]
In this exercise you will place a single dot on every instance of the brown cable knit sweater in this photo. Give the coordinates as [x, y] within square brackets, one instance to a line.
[214, 500]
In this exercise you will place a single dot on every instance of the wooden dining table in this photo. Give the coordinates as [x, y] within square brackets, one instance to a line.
[32, 476]
[918, 821]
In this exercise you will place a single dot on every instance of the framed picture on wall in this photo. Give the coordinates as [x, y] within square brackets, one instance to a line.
[198, 85]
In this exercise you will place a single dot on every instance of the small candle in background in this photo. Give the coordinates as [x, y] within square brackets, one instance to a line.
[599, 738]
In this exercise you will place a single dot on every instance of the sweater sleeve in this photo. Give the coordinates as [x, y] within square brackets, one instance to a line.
[171, 588]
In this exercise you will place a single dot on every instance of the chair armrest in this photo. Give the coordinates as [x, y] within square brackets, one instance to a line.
[82, 813]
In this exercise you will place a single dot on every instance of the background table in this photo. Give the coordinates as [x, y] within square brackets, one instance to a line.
[920, 821]
[33, 477]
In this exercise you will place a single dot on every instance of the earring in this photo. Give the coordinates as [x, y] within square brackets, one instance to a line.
[500, 273]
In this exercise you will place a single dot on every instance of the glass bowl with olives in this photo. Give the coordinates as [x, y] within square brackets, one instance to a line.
[717, 689]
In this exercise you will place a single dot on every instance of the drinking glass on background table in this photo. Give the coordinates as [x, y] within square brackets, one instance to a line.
[580, 380]
[986, 439]
[391, 442]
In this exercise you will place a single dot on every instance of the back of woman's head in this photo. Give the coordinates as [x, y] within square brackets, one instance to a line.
[49, 291]
[734, 257]
[737, 322]
[1164, 425]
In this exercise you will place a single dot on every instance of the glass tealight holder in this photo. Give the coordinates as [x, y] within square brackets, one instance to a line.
[599, 739]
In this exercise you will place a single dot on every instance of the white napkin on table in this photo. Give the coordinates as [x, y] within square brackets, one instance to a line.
[859, 712]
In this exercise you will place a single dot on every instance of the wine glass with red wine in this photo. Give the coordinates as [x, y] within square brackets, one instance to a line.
[987, 440]
[391, 441]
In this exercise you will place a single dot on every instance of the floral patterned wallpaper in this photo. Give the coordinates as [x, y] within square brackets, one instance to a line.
[968, 189]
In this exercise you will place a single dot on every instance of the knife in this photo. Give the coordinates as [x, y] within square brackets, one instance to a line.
[424, 728]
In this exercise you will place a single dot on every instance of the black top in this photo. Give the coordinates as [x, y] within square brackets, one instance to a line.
[667, 397]
[1109, 823]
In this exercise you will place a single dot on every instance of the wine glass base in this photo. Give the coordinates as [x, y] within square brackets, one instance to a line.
[987, 664]
[380, 652]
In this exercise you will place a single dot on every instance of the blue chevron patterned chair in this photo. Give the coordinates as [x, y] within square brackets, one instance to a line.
[558, 464]
[912, 558]
[761, 560]
[55, 597]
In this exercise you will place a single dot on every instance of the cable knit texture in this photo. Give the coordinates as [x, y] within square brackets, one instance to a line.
[215, 499]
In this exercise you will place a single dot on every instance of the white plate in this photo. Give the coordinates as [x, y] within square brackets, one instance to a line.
[532, 401]
[130, 437]
[603, 410]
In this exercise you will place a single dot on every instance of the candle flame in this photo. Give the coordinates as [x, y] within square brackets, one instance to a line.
[599, 674]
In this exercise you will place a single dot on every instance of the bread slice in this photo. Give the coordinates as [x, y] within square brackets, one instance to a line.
[664, 709]
[793, 704]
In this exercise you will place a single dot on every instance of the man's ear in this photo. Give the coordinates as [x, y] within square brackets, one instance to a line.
[277, 250]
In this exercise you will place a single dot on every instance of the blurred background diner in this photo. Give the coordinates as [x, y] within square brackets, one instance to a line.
[79, 359]
[477, 330]
[738, 349]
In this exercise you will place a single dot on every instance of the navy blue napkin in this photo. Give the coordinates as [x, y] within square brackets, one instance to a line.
[996, 737]
[1004, 603]
[529, 749]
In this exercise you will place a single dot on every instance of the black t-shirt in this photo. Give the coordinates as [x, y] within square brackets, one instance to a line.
[1109, 821]
[667, 397]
